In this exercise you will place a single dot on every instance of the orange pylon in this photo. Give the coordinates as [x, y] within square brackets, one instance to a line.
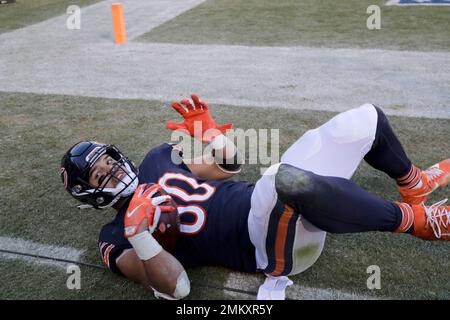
[120, 36]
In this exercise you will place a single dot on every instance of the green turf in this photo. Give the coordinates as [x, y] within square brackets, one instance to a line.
[25, 12]
[28, 280]
[37, 129]
[321, 23]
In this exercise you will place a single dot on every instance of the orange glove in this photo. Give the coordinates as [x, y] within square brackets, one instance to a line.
[144, 206]
[199, 113]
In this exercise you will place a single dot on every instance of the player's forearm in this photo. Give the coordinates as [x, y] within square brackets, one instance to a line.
[162, 271]
[163, 274]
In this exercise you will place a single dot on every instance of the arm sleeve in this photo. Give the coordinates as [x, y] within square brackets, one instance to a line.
[111, 244]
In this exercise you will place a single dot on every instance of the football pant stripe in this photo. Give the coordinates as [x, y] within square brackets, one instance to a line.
[289, 247]
[272, 236]
[281, 240]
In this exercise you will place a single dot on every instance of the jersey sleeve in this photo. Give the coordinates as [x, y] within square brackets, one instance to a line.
[173, 157]
[111, 244]
[162, 159]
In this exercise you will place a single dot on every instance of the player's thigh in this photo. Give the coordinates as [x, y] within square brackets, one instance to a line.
[308, 245]
[263, 201]
[337, 147]
[285, 242]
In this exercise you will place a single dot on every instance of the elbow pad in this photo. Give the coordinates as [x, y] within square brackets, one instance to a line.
[182, 289]
[228, 165]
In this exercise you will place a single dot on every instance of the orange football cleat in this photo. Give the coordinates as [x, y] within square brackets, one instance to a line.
[434, 177]
[432, 222]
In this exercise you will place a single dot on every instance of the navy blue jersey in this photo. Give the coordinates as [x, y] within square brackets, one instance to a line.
[213, 215]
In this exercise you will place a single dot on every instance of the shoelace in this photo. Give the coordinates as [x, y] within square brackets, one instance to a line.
[435, 217]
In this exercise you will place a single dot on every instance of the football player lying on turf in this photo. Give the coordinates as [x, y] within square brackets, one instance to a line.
[251, 227]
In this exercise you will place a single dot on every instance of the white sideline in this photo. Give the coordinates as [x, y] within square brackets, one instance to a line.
[35, 248]
[251, 282]
[397, 3]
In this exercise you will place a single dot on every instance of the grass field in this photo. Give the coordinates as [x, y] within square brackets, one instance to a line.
[37, 129]
[317, 23]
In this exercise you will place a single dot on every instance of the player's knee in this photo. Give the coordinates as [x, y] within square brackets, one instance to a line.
[382, 123]
[381, 115]
[292, 182]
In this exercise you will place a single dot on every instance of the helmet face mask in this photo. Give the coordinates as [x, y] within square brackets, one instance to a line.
[76, 166]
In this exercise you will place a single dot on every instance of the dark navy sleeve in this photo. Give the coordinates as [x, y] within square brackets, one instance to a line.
[160, 160]
[111, 244]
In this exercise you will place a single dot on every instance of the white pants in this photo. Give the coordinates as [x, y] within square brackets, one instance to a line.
[334, 149]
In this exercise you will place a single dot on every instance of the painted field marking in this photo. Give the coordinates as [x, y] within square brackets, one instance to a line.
[251, 283]
[418, 3]
[33, 248]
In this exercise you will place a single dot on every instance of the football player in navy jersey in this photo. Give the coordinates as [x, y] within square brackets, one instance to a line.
[277, 226]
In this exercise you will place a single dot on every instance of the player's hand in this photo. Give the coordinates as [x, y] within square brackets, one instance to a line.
[144, 210]
[197, 113]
